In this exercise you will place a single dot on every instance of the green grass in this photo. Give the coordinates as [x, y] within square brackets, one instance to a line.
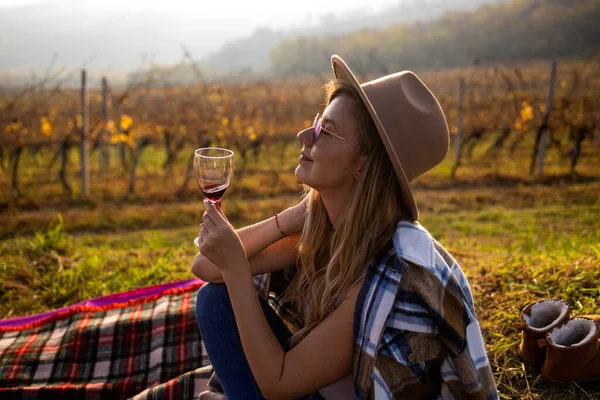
[519, 239]
[513, 251]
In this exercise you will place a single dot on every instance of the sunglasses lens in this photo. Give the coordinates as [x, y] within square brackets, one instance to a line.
[318, 128]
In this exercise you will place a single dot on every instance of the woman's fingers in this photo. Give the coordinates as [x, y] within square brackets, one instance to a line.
[203, 230]
[215, 216]
[207, 220]
[221, 244]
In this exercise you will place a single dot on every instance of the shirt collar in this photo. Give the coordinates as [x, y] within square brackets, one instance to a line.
[413, 243]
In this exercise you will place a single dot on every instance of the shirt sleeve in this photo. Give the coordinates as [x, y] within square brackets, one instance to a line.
[262, 283]
[448, 314]
[466, 372]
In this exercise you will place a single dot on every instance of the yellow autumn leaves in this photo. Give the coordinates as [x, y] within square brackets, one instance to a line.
[251, 133]
[126, 122]
[226, 126]
[45, 127]
[525, 115]
[250, 129]
[16, 127]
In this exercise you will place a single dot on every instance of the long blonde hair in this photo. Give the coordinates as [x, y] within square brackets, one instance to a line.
[330, 261]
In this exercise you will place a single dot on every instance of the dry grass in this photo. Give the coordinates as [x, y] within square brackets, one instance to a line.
[519, 239]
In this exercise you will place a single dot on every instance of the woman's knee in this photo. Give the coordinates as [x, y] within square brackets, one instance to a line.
[211, 301]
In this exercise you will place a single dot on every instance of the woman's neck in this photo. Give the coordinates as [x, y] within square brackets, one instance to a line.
[336, 202]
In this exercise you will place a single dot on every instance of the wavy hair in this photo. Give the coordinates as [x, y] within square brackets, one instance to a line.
[330, 261]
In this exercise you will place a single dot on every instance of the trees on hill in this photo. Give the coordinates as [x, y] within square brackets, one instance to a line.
[514, 31]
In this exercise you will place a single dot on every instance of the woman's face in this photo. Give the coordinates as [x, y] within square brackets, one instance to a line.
[331, 163]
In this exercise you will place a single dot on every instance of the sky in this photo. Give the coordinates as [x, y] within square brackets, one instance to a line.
[14, 3]
[261, 10]
[308, 4]
[75, 30]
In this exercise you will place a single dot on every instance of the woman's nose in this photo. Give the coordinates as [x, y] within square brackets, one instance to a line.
[306, 136]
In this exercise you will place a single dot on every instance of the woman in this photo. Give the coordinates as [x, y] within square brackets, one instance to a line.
[384, 310]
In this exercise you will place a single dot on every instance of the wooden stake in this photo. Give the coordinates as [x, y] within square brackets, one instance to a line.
[461, 95]
[544, 138]
[104, 150]
[85, 109]
[122, 144]
[596, 144]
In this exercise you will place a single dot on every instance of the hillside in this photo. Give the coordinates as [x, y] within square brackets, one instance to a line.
[517, 30]
[110, 37]
[251, 53]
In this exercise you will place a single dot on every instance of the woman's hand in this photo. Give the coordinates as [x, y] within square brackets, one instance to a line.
[219, 242]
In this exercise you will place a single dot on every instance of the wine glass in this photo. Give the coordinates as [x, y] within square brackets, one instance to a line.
[213, 167]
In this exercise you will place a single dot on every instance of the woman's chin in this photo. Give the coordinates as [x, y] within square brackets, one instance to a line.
[306, 184]
[300, 173]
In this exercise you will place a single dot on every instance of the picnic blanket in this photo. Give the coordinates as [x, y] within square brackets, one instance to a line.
[141, 344]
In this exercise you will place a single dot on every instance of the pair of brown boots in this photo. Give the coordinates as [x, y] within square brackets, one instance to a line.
[567, 348]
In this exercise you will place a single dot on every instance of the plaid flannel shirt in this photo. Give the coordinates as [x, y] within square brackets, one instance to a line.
[415, 330]
[416, 334]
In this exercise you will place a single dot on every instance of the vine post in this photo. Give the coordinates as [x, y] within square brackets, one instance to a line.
[85, 110]
[542, 135]
[596, 144]
[457, 137]
[105, 139]
[461, 95]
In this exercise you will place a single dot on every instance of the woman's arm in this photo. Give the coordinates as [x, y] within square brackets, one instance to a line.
[266, 248]
[278, 256]
[323, 357]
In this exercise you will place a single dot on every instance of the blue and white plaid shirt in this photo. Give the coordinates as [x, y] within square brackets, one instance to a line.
[416, 334]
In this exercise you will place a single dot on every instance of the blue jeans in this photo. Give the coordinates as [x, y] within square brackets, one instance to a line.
[221, 338]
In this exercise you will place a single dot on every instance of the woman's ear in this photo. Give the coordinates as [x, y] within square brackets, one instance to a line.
[360, 166]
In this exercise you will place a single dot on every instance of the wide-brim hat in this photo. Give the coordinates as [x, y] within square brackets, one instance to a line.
[410, 122]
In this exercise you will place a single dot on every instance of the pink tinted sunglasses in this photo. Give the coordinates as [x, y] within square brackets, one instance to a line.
[318, 125]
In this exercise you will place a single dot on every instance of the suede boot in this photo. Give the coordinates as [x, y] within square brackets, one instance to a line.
[593, 317]
[572, 352]
[537, 319]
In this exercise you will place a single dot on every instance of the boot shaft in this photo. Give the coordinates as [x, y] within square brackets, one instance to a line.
[537, 319]
[572, 352]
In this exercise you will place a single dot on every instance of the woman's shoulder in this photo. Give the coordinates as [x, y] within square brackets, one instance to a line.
[413, 243]
[429, 262]
[412, 246]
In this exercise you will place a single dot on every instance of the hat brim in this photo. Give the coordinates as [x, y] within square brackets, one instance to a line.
[341, 71]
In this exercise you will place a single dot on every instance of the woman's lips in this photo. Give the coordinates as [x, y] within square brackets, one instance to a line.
[304, 158]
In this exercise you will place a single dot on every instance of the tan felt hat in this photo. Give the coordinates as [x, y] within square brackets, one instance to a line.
[410, 122]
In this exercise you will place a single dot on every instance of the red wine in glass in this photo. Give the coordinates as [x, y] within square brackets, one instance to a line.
[213, 168]
[214, 192]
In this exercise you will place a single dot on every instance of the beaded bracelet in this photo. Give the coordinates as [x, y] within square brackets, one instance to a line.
[278, 227]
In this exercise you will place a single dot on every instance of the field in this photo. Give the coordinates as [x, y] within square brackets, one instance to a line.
[145, 131]
[519, 238]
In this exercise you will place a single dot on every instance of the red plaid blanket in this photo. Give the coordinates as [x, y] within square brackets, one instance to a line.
[144, 343]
